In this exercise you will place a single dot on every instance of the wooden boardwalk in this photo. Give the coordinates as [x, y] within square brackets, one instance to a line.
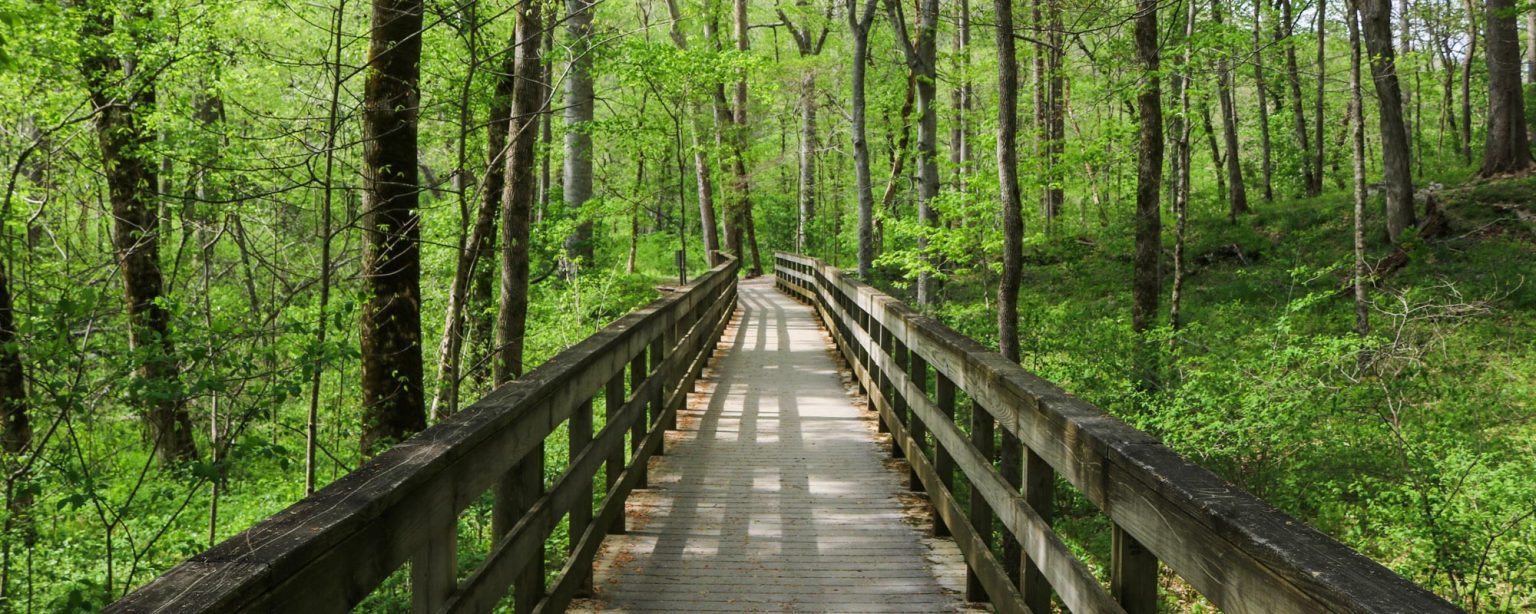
[775, 494]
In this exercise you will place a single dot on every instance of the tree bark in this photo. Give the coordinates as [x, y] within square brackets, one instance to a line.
[701, 167]
[1238, 194]
[1507, 146]
[125, 100]
[1008, 183]
[859, 23]
[1466, 79]
[1321, 18]
[1182, 177]
[743, 194]
[1311, 182]
[518, 196]
[1055, 117]
[15, 424]
[391, 320]
[1263, 100]
[921, 55]
[1146, 279]
[1357, 140]
[1376, 17]
[577, 184]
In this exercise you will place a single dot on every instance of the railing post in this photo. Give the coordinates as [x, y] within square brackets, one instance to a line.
[580, 436]
[1133, 574]
[514, 494]
[613, 401]
[638, 430]
[1011, 458]
[659, 349]
[1039, 494]
[943, 462]
[434, 568]
[981, 513]
[917, 370]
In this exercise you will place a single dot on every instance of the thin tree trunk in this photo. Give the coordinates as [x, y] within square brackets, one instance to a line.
[743, 195]
[1217, 164]
[1466, 78]
[1376, 17]
[1321, 18]
[1055, 117]
[125, 101]
[1530, 66]
[859, 23]
[1146, 281]
[332, 126]
[1507, 146]
[701, 167]
[518, 196]
[1182, 178]
[960, 100]
[1263, 100]
[1357, 139]
[921, 56]
[1008, 184]
[1311, 182]
[1238, 195]
[578, 115]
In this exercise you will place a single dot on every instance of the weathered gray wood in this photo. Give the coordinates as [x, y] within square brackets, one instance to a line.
[328, 551]
[1239, 552]
[580, 437]
[982, 432]
[1079, 590]
[434, 569]
[1039, 495]
[1132, 574]
[613, 399]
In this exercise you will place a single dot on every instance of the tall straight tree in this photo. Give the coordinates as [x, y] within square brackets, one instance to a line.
[743, 193]
[1008, 183]
[1146, 278]
[808, 44]
[1238, 195]
[859, 23]
[961, 98]
[1311, 181]
[391, 322]
[577, 184]
[1376, 17]
[1321, 19]
[1262, 94]
[1055, 131]
[1357, 149]
[702, 170]
[123, 92]
[1507, 146]
[15, 423]
[518, 195]
[921, 55]
[1181, 153]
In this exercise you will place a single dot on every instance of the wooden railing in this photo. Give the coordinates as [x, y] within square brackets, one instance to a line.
[327, 552]
[1238, 551]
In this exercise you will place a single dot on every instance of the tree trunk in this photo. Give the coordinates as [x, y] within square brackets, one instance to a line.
[1055, 117]
[1217, 164]
[391, 320]
[1466, 79]
[1311, 183]
[807, 191]
[1376, 16]
[1507, 146]
[1238, 195]
[1357, 140]
[743, 195]
[125, 101]
[15, 424]
[701, 167]
[921, 56]
[577, 184]
[1181, 179]
[860, 24]
[1322, 80]
[1146, 281]
[1263, 100]
[1530, 66]
[1008, 184]
[517, 196]
[960, 100]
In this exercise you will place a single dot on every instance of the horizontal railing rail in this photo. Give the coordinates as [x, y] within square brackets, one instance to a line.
[1241, 553]
[329, 551]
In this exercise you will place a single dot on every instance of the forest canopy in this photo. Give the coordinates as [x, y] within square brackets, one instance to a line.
[249, 244]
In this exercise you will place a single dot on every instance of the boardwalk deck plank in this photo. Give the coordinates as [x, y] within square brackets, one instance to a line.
[775, 494]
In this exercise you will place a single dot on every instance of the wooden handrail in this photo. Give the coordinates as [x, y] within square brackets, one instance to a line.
[1241, 553]
[327, 552]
